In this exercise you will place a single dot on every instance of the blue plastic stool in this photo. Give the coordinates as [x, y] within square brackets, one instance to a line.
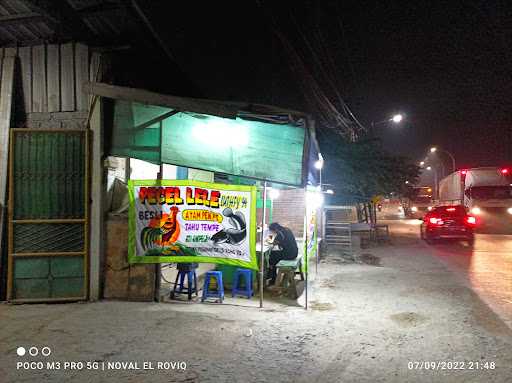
[191, 283]
[247, 290]
[219, 294]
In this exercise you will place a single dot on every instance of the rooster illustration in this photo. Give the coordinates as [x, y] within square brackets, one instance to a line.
[161, 231]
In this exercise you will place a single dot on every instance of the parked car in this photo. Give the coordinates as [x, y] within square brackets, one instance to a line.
[448, 222]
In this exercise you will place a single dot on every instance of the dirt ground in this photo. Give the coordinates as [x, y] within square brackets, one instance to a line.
[398, 314]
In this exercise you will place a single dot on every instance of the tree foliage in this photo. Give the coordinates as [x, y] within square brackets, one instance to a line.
[360, 170]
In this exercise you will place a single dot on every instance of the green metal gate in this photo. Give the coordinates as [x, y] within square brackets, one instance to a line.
[48, 215]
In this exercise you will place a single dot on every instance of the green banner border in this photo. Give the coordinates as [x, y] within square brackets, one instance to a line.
[134, 259]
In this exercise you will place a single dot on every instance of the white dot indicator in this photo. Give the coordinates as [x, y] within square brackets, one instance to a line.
[21, 351]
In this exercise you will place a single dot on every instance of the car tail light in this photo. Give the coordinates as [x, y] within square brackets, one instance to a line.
[450, 209]
[435, 221]
[504, 171]
[470, 220]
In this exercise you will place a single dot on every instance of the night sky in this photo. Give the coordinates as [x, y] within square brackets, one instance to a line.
[447, 65]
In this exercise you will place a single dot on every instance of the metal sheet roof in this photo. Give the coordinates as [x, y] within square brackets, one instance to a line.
[25, 22]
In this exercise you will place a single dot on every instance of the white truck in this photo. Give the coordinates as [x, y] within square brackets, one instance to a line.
[419, 202]
[486, 192]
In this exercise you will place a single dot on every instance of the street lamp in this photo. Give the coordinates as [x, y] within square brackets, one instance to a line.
[273, 193]
[395, 119]
[319, 164]
[434, 149]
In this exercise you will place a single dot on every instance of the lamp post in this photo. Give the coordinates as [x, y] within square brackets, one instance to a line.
[434, 149]
[436, 180]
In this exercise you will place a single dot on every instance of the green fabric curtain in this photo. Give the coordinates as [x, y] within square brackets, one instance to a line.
[248, 148]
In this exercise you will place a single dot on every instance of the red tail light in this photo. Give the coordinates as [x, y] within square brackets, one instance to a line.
[450, 209]
[504, 171]
[470, 220]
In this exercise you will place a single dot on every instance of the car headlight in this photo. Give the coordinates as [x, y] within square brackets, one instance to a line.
[414, 208]
[509, 210]
[429, 208]
[476, 210]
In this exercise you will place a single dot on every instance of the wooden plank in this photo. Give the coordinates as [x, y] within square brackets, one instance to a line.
[67, 78]
[49, 254]
[53, 78]
[39, 98]
[151, 98]
[82, 75]
[20, 18]
[94, 71]
[96, 248]
[1, 63]
[25, 55]
[10, 52]
[6, 90]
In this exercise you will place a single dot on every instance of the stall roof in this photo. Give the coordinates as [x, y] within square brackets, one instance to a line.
[250, 140]
[226, 109]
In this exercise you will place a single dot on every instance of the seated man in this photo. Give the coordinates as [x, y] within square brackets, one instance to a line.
[285, 240]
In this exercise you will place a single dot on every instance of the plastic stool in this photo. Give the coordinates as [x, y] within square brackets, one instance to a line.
[247, 290]
[191, 283]
[219, 294]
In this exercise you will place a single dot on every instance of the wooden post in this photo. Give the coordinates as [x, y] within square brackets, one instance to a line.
[97, 193]
[5, 122]
[158, 266]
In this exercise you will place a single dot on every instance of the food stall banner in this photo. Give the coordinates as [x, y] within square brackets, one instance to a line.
[175, 221]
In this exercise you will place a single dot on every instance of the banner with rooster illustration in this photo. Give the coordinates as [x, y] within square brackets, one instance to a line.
[174, 221]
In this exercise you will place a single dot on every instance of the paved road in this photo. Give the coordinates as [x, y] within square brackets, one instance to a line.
[486, 267]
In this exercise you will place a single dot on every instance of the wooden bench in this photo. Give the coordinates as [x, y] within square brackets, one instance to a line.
[286, 271]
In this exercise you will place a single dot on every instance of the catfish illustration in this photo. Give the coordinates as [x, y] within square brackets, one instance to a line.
[233, 235]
